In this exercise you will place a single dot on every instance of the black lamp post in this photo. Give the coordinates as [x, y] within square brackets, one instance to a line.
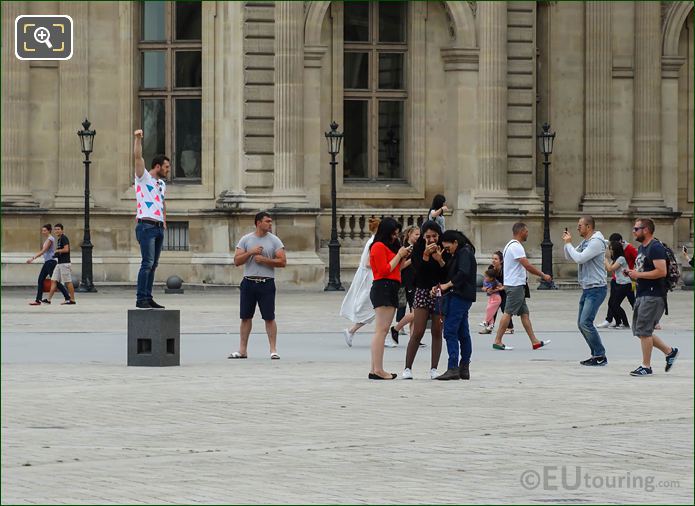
[87, 141]
[391, 145]
[545, 143]
[334, 138]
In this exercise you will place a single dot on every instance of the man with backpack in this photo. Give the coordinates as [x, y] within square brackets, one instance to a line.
[652, 275]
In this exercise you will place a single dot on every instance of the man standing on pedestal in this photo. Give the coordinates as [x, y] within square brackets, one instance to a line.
[150, 188]
[260, 252]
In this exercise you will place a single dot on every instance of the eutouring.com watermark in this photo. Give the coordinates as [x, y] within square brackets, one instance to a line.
[575, 478]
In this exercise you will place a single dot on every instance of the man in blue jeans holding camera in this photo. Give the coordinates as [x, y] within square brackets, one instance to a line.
[150, 187]
[592, 277]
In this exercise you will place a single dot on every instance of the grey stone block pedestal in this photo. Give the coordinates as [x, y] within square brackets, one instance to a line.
[154, 337]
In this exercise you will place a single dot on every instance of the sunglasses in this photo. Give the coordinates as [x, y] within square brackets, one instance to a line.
[637, 229]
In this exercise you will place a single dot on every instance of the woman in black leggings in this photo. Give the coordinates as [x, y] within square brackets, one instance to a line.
[615, 262]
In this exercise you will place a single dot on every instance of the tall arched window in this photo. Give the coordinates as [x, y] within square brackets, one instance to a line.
[375, 50]
[170, 84]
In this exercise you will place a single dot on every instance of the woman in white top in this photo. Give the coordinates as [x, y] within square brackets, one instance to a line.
[357, 307]
[437, 210]
[615, 262]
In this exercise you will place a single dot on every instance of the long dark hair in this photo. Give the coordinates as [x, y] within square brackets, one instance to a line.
[459, 237]
[383, 234]
[419, 247]
[437, 202]
[617, 250]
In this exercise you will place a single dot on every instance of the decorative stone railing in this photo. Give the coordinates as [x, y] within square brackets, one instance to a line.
[353, 224]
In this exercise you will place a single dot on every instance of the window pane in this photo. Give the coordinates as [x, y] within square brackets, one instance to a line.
[188, 127]
[153, 69]
[392, 21]
[391, 139]
[356, 22]
[154, 129]
[356, 70]
[188, 69]
[356, 154]
[153, 27]
[391, 71]
[188, 24]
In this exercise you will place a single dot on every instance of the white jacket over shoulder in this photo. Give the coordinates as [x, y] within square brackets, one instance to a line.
[357, 307]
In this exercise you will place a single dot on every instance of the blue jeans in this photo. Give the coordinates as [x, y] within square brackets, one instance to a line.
[151, 238]
[589, 304]
[456, 330]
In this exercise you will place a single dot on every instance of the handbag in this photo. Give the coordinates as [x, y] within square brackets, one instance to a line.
[47, 284]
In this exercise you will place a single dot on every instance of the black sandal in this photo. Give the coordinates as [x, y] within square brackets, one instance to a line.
[373, 376]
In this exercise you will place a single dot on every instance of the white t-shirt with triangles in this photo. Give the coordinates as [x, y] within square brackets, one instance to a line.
[149, 193]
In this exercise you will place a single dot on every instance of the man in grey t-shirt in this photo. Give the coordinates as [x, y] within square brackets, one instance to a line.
[260, 252]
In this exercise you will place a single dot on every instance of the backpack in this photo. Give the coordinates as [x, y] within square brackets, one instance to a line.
[673, 272]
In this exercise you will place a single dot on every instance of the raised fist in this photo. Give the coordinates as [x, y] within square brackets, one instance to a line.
[138, 134]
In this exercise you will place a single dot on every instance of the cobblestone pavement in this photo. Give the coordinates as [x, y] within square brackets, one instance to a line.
[83, 428]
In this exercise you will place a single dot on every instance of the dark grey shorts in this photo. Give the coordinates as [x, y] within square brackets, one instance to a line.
[516, 300]
[647, 313]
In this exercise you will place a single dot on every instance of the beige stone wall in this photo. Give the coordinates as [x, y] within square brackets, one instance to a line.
[459, 53]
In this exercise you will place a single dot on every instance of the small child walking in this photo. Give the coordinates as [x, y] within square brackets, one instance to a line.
[492, 287]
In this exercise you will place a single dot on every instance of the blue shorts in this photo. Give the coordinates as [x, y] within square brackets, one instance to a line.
[257, 292]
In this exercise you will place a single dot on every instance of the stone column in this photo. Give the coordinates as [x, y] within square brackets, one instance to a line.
[289, 99]
[73, 108]
[15, 106]
[229, 100]
[492, 103]
[647, 195]
[597, 86]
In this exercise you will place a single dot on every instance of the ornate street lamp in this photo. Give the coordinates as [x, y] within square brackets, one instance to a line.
[87, 142]
[334, 139]
[545, 144]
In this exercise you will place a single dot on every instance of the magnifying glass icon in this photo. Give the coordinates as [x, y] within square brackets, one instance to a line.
[43, 36]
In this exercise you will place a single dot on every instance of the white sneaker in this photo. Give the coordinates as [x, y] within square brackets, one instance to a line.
[603, 325]
[348, 337]
[390, 343]
[407, 374]
[482, 324]
[434, 373]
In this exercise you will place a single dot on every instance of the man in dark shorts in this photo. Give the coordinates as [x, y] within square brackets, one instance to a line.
[650, 272]
[260, 252]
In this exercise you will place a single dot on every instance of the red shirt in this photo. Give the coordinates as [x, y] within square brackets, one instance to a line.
[380, 257]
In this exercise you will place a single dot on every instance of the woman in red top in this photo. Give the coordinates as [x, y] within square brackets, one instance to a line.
[385, 258]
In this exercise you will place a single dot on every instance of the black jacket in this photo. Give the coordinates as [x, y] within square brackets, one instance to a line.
[462, 272]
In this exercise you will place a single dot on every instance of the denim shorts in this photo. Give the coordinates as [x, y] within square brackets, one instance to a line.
[384, 293]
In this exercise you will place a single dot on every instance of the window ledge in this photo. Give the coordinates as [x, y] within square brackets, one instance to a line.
[379, 190]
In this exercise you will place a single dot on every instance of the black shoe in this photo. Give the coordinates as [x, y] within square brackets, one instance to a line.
[394, 335]
[641, 371]
[154, 305]
[450, 374]
[595, 361]
[464, 371]
[143, 304]
[671, 358]
[377, 377]
[45, 301]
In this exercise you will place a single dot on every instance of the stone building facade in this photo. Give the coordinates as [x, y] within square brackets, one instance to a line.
[433, 97]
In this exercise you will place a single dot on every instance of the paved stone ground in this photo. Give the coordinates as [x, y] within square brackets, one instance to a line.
[79, 427]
